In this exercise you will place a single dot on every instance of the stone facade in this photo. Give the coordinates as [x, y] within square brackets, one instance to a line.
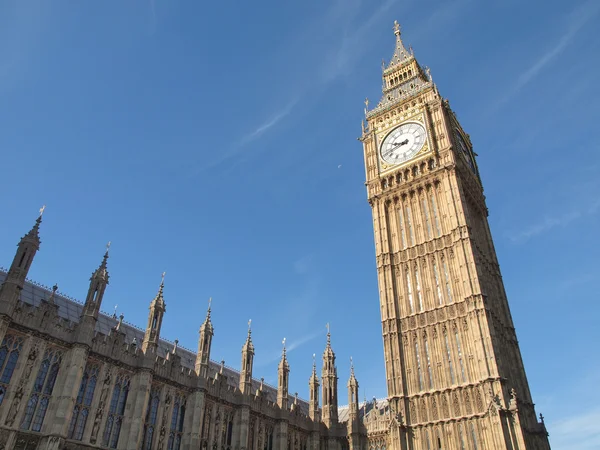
[455, 377]
[72, 377]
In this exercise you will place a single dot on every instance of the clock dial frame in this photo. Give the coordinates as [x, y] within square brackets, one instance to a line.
[403, 143]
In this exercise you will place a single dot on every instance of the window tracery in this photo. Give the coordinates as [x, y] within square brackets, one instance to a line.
[177, 418]
[35, 412]
[83, 402]
[116, 411]
[151, 416]
[9, 355]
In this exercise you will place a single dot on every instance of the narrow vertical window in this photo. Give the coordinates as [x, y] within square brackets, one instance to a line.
[437, 284]
[436, 218]
[449, 356]
[474, 436]
[177, 418]
[419, 296]
[460, 356]
[411, 233]
[427, 218]
[429, 371]
[402, 229]
[409, 290]
[42, 391]
[462, 438]
[83, 403]
[419, 366]
[427, 439]
[9, 355]
[116, 412]
[150, 422]
[447, 281]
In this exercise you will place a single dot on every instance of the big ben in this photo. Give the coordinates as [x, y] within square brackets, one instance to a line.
[454, 373]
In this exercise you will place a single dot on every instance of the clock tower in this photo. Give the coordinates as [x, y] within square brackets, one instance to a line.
[454, 373]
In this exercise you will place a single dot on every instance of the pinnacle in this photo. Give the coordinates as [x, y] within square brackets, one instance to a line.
[400, 53]
[33, 234]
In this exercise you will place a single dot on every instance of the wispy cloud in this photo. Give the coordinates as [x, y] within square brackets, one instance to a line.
[268, 124]
[352, 45]
[578, 19]
[549, 223]
[291, 345]
[581, 431]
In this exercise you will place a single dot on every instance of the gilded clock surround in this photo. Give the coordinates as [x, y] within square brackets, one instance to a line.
[418, 117]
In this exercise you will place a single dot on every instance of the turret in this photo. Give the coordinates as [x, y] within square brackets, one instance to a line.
[313, 387]
[329, 379]
[98, 283]
[204, 344]
[247, 362]
[283, 378]
[157, 310]
[28, 246]
[352, 393]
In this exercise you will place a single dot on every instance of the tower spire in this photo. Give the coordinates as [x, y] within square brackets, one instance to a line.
[400, 55]
[98, 283]
[283, 375]
[247, 362]
[27, 247]
[155, 317]
[313, 386]
[329, 379]
[204, 344]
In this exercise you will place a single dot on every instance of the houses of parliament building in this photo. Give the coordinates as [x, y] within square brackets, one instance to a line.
[72, 377]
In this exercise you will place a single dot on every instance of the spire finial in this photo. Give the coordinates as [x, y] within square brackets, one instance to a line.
[208, 311]
[351, 367]
[162, 281]
[283, 343]
[396, 28]
[249, 328]
[328, 335]
[175, 346]
[42, 211]
[115, 311]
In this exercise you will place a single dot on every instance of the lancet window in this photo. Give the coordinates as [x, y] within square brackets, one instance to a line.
[409, 292]
[420, 374]
[402, 229]
[427, 218]
[436, 216]
[116, 412]
[429, 371]
[36, 408]
[411, 233]
[9, 355]
[474, 436]
[151, 416]
[177, 418]
[447, 281]
[460, 356]
[83, 402]
[449, 356]
[419, 295]
[437, 284]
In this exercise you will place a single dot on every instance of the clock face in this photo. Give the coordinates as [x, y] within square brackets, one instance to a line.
[403, 143]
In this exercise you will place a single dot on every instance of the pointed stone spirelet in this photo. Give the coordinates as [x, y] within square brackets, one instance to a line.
[34, 234]
[400, 53]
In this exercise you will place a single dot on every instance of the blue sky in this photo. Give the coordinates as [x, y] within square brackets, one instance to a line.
[217, 142]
